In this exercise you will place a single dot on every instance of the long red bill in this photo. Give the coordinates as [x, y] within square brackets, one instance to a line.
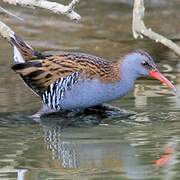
[157, 75]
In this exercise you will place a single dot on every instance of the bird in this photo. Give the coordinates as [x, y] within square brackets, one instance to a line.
[75, 80]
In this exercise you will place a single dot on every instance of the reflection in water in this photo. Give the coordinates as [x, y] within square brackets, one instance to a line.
[74, 150]
[119, 155]
[62, 150]
[120, 146]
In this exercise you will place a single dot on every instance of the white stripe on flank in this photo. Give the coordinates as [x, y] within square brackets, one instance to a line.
[51, 89]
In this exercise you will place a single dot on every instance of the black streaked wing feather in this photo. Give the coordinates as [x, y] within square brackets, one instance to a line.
[40, 74]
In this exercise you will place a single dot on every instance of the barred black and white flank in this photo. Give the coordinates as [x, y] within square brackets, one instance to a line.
[56, 91]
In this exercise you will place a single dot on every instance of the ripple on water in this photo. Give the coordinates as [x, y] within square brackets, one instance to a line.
[118, 145]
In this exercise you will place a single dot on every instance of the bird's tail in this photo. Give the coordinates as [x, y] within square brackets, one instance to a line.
[22, 51]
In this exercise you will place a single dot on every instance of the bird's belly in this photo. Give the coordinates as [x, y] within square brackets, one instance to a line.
[90, 93]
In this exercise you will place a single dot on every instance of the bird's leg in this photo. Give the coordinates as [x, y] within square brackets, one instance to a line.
[45, 110]
[102, 108]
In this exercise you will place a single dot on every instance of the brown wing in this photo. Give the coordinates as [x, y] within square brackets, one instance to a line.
[40, 74]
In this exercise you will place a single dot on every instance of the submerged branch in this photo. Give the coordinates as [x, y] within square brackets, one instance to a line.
[52, 6]
[139, 29]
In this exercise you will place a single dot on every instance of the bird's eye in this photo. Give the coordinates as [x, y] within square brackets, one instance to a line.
[145, 63]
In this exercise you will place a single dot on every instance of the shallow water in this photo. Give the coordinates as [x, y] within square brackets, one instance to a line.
[121, 145]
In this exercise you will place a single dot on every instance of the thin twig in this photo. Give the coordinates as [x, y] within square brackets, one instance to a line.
[139, 29]
[52, 6]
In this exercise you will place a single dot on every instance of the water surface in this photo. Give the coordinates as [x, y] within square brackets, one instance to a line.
[120, 145]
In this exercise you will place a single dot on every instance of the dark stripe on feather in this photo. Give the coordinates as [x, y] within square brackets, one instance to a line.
[35, 73]
[26, 65]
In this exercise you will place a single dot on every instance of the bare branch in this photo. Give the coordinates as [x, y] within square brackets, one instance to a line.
[52, 6]
[139, 29]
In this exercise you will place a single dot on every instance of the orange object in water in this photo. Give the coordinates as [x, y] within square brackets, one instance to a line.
[165, 159]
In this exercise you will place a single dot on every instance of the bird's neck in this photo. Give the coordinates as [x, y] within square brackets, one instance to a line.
[127, 70]
[127, 76]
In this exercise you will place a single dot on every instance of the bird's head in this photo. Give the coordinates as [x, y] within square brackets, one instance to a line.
[140, 64]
